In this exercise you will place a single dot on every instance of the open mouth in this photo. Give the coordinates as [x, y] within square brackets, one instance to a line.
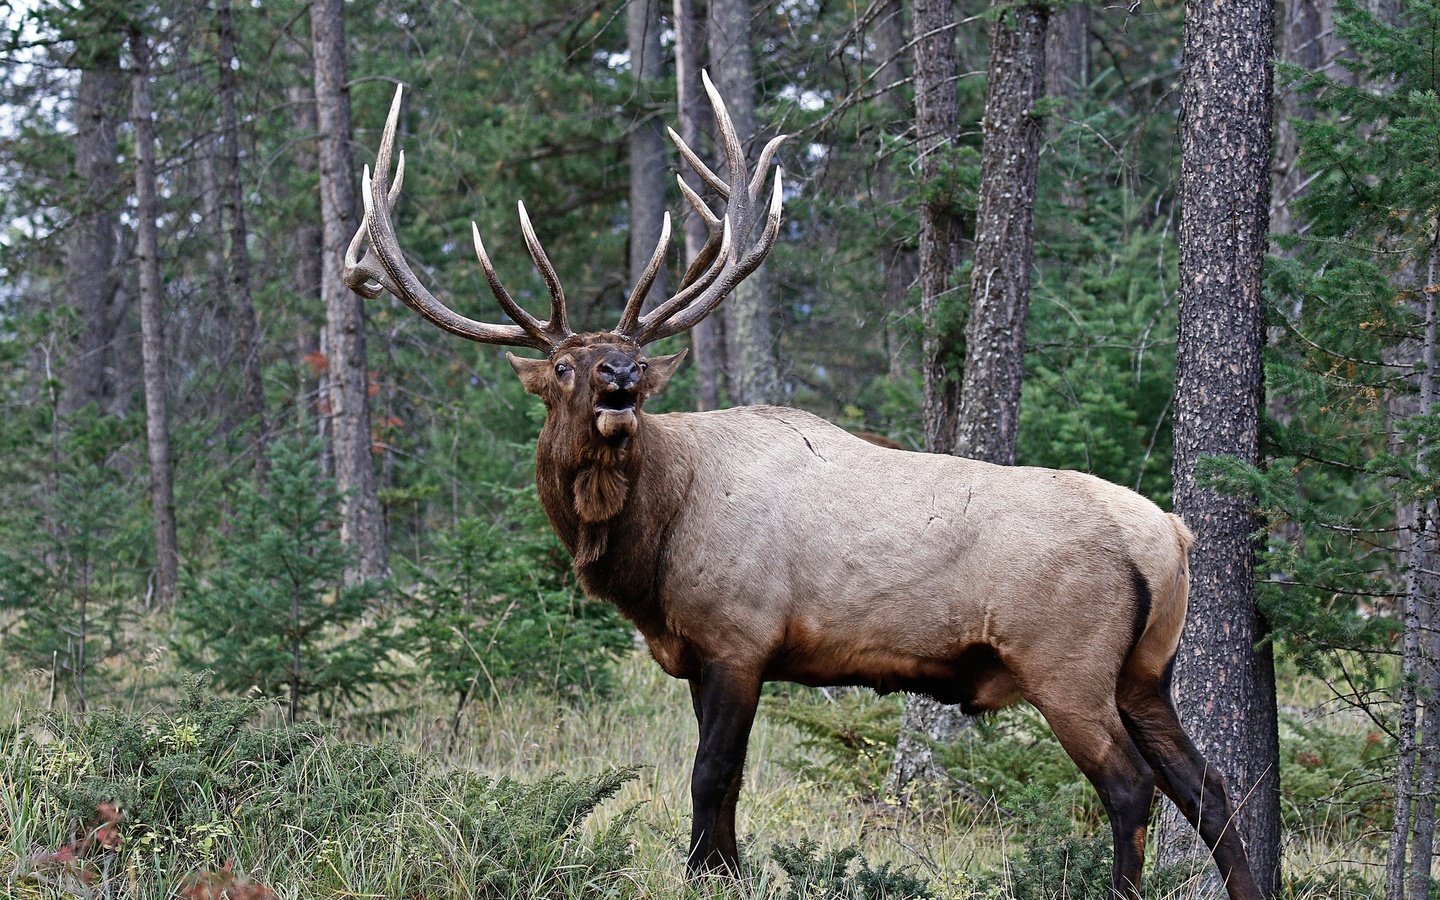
[615, 414]
[616, 401]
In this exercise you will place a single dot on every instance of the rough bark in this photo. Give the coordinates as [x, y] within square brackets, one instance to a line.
[152, 324]
[247, 343]
[311, 404]
[362, 527]
[754, 373]
[91, 283]
[936, 123]
[707, 338]
[989, 413]
[648, 175]
[1224, 673]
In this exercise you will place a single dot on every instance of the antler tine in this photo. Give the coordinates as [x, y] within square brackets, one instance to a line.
[734, 150]
[383, 264]
[631, 317]
[526, 321]
[716, 184]
[728, 257]
[558, 325]
[662, 323]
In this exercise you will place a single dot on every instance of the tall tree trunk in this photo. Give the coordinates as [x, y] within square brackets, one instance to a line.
[252, 402]
[648, 175]
[708, 337]
[1067, 52]
[1224, 673]
[936, 122]
[362, 526]
[152, 323]
[989, 413]
[91, 285]
[754, 372]
[312, 406]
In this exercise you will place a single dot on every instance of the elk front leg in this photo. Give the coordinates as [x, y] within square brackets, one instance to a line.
[725, 702]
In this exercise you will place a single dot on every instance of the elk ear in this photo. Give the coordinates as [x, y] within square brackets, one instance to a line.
[534, 373]
[660, 370]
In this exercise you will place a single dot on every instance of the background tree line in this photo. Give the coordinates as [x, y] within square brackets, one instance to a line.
[995, 232]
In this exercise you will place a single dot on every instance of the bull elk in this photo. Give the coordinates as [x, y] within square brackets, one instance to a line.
[757, 544]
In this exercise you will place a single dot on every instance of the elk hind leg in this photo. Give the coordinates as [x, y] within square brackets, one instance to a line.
[1095, 738]
[1186, 778]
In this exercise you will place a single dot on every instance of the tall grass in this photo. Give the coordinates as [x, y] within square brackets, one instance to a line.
[542, 798]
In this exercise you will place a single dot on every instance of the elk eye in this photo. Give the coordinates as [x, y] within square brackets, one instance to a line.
[561, 369]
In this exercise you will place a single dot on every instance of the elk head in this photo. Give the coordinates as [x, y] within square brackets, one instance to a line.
[593, 384]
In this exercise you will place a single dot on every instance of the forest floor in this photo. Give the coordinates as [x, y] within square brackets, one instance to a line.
[963, 848]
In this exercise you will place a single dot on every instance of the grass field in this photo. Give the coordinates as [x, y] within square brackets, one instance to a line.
[340, 818]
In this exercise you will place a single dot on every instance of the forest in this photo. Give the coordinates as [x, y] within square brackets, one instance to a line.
[282, 616]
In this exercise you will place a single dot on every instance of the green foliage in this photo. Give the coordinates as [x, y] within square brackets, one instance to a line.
[69, 564]
[846, 740]
[306, 810]
[843, 874]
[495, 608]
[273, 613]
[1329, 781]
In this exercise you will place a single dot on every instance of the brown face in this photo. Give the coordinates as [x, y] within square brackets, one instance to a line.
[597, 382]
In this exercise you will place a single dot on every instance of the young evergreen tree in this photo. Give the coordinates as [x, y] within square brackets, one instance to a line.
[1358, 357]
[274, 613]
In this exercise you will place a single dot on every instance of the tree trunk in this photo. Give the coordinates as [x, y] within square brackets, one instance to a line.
[152, 324]
[754, 373]
[252, 402]
[708, 337]
[1067, 52]
[91, 284]
[1224, 673]
[936, 122]
[989, 413]
[648, 176]
[362, 526]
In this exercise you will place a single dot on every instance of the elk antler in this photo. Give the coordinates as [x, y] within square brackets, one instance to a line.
[717, 269]
[383, 265]
[720, 265]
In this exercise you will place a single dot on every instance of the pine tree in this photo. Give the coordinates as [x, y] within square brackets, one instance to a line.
[274, 613]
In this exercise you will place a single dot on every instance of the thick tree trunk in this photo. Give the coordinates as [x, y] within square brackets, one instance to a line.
[989, 413]
[754, 373]
[707, 338]
[152, 324]
[936, 123]
[91, 283]
[1224, 685]
[648, 175]
[247, 345]
[362, 526]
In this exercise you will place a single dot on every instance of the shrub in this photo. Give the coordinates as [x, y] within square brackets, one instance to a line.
[843, 874]
[299, 808]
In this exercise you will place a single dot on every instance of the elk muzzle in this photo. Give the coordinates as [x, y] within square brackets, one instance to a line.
[616, 381]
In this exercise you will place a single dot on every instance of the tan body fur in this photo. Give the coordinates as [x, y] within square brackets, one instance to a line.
[824, 559]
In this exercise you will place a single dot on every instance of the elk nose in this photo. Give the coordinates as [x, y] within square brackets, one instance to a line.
[621, 372]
